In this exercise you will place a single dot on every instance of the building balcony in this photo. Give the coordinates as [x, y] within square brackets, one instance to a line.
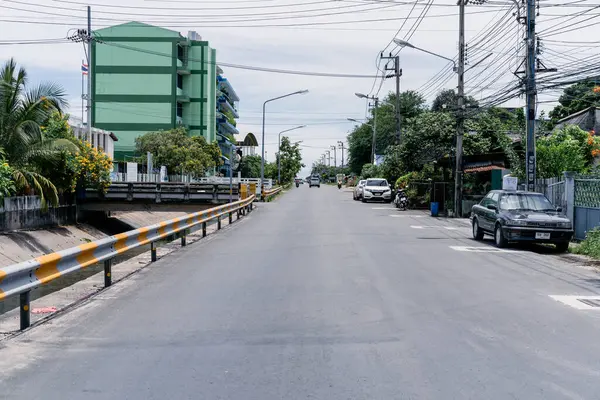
[182, 97]
[183, 68]
[225, 125]
[225, 105]
[225, 86]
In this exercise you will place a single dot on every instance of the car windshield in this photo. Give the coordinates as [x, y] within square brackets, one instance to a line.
[376, 182]
[525, 202]
[361, 183]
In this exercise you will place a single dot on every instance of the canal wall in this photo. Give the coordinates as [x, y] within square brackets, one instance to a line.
[26, 212]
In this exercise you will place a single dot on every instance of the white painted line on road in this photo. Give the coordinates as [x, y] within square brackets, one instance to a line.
[578, 302]
[450, 228]
[481, 249]
[406, 216]
[381, 208]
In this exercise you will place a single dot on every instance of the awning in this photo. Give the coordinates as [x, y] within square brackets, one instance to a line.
[478, 167]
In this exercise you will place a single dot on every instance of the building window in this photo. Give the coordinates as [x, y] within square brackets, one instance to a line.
[180, 53]
[179, 82]
[180, 110]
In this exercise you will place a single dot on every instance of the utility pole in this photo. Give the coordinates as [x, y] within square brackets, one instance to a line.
[397, 73]
[342, 147]
[461, 110]
[334, 155]
[90, 72]
[531, 92]
[328, 158]
[374, 130]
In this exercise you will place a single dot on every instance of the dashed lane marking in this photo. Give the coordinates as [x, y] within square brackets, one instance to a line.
[406, 216]
[481, 249]
[579, 302]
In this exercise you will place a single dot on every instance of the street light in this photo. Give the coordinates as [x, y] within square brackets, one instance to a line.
[374, 127]
[262, 161]
[404, 43]
[279, 150]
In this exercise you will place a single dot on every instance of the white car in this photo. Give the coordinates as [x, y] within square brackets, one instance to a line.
[376, 189]
[357, 193]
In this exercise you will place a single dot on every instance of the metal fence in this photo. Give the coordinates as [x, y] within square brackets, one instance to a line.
[20, 279]
[587, 205]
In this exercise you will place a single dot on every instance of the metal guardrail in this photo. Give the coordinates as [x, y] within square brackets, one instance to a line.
[23, 277]
[269, 194]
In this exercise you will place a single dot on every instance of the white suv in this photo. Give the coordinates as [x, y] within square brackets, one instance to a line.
[314, 181]
[376, 189]
[357, 194]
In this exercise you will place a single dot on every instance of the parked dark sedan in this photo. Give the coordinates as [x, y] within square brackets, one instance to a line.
[520, 216]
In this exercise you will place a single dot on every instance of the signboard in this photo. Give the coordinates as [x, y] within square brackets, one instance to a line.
[509, 182]
[132, 172]
[163, 174]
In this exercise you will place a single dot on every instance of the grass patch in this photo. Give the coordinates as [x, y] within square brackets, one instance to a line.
[590, 246]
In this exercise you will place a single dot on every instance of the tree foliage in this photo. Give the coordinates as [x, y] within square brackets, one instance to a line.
[290, 157]
[576, 98]
[179, 152]
[250, 166]
[360, 139]
[447, 101]
[23, 110]
[567, 149]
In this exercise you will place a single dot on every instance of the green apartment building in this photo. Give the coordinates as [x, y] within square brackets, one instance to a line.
[146, 78]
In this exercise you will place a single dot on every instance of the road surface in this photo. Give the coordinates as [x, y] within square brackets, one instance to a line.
[315, 296]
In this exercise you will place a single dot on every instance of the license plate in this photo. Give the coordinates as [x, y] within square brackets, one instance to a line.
[376, 193]
[542, 235]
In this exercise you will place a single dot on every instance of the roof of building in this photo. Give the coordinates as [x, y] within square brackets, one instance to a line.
[141, 30]
[482, 166]
[249, 140]
[578, 113]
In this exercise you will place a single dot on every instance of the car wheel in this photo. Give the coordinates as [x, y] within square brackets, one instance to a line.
[477, 231]
[363, 200]
[562, 247]
[499, 237]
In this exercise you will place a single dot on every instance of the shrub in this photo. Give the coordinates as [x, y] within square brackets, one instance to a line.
[91, 168]
[591, 244]
[7, 184]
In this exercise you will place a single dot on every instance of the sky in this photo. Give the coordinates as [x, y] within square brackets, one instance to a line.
[328, 36]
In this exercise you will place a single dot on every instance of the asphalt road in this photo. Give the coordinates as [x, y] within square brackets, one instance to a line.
[315, 296]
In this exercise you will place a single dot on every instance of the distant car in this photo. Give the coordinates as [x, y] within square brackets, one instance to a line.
[518, 216]
[357, 193]
[314, 181]
[376, 189]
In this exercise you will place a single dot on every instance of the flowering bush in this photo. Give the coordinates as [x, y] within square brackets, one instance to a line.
[91, 168]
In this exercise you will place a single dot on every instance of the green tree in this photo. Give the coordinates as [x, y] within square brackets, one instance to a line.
[576, 98]
[179, 152]
[568, 149]
[57, 127]
[250, 166]
[291, 159]
[447, 100]
[412, 104]
[22, 111]
[370, 171]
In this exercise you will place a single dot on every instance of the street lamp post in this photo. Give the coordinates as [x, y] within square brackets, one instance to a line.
[262, 161]
[376, 100]
[460, 70]
[334, 155]
[279, 150]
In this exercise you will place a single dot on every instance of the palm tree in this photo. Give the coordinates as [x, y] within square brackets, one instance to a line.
[22, 111]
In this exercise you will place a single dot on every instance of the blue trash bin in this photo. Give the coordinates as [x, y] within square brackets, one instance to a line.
[435, 207]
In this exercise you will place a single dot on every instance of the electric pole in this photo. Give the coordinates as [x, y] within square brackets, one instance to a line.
[328, 158]
[531, 93]
[397, 73]
[334, 155]
[341, 144]
[461, 110]
[90, 72]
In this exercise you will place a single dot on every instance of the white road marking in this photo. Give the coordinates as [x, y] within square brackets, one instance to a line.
[406, 216]
[574, 302]
[450, 228]
[381, 208]
[481, 249]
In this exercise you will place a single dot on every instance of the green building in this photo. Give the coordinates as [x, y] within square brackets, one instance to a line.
[146, 78]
